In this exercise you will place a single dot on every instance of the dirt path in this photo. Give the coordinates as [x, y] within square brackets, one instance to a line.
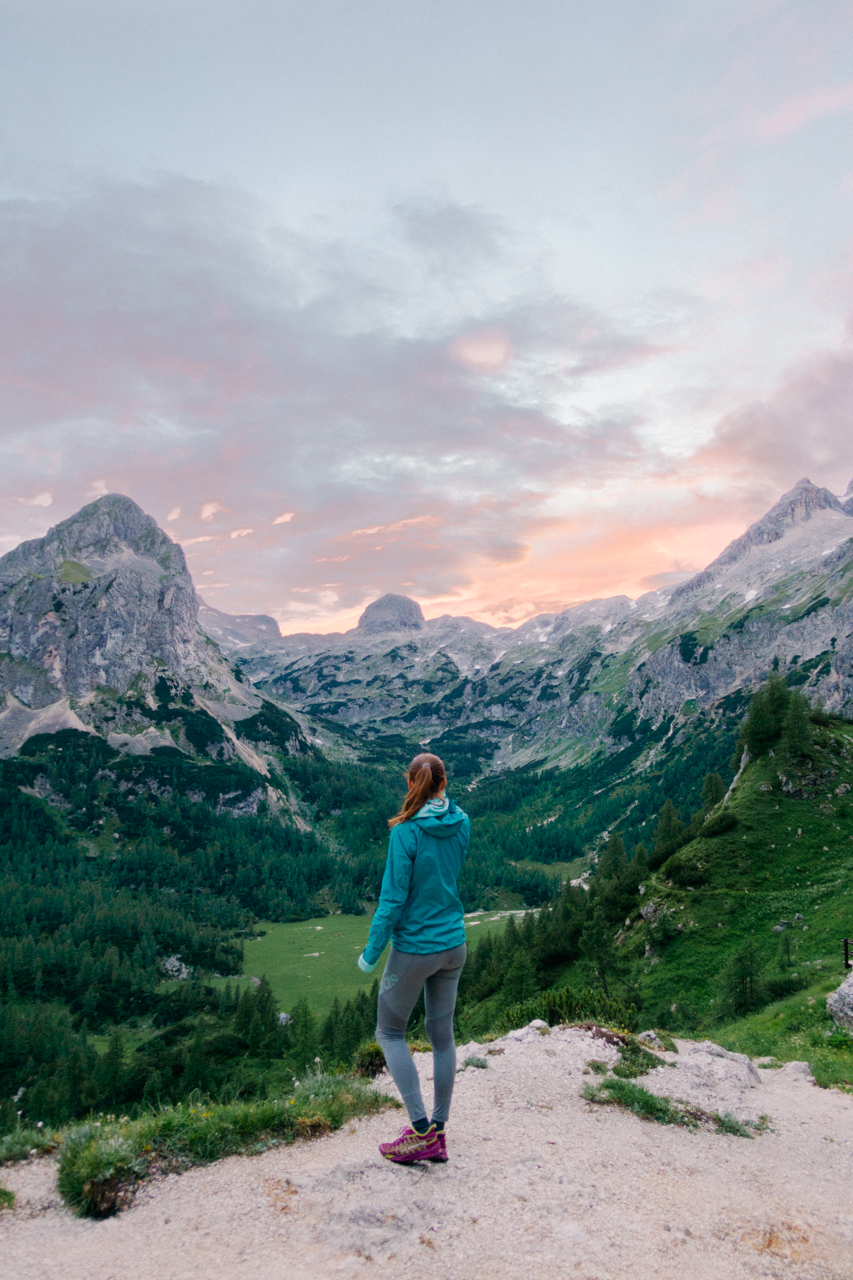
[538, 1181]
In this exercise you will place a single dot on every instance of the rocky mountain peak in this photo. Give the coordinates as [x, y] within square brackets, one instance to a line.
[102, 597]
[795, 508]
[391, 613]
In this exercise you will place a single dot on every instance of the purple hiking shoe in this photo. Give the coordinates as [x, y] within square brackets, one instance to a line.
[440, 1156]
[412, 1146]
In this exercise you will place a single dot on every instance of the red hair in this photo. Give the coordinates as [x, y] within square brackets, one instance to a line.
[426, 778]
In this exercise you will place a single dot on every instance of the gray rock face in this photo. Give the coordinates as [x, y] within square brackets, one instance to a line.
[100, 598]
[391, 613]
[840, 1003]
[239, 629]
[795, 507]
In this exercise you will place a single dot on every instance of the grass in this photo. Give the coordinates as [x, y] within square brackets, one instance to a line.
[798, 1028]
[633, 1097]
[22, 1143]
[102, 1162]
[7, 1198]
[316, 959]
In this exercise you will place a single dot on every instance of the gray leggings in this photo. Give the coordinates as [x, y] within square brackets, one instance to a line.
[405, 976]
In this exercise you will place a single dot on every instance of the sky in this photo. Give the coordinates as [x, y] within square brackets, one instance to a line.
[499, 306]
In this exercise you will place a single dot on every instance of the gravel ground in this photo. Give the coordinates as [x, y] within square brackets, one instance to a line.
[537, 1179]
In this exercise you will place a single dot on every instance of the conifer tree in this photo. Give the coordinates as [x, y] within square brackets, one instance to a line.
[520, 981]
[797, 731]
[713, 790]
[669, 831]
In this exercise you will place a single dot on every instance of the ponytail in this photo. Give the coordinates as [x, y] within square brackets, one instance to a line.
[427, 778]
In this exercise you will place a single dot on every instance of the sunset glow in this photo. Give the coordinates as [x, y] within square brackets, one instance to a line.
[500, 316]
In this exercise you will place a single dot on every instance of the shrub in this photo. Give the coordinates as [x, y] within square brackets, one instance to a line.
[21, 1144]
[634, 1060]
[718, 823]
[566, 1005]
[369, 1060]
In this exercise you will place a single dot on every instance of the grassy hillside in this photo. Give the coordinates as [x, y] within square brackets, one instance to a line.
[789, 858]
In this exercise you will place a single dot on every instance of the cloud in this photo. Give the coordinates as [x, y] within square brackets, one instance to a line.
[170, 332]
[487, 350]
[802, 109]
[40, 500]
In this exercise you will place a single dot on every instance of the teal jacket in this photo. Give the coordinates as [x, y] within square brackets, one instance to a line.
[419, 909]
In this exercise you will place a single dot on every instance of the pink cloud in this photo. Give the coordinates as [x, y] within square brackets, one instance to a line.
[802, 110]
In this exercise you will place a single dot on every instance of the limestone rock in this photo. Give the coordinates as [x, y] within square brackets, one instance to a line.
[720, 1064]
[840, 1003]
[796, 1071]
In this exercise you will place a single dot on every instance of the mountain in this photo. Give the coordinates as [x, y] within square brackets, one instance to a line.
[99, 634]
[599, 676]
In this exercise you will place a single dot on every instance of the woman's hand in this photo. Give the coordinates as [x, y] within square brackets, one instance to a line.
[364, 966]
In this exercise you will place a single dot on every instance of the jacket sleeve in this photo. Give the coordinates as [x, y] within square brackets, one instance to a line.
[396, 883]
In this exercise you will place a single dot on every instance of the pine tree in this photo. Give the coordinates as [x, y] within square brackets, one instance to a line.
[742, 980]
[520, 981]
[797, 731]
[304, 1044]
[670, 830]
[613, 860]
[596, 944]
[713, 790]
[111, 1071]
[196, 1073]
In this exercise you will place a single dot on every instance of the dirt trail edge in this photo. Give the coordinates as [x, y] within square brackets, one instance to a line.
[538, 1178]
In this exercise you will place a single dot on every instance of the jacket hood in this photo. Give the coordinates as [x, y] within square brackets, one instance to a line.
[440, 818]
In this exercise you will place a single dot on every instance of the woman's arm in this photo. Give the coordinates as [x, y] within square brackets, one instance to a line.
[396, 883]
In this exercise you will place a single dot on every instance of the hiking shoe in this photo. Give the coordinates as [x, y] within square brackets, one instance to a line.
[440, 1156]
[412, 1146]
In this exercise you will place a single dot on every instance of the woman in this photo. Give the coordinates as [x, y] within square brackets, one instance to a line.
[420, 912]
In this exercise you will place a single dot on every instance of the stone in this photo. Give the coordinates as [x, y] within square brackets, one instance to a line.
[840, 1003]
[796, 1071]
[649, 1038]
[721, 1064]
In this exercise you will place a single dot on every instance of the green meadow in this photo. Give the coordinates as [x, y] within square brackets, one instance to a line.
[318, 958]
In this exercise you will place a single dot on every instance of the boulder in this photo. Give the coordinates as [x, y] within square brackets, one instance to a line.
[840, 1003]
[797, 1071]
[721, 1065]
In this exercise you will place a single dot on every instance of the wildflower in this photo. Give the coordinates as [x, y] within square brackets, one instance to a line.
[40, 1124]
[317, 1060]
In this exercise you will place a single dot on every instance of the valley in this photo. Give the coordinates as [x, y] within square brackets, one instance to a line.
[659, 793]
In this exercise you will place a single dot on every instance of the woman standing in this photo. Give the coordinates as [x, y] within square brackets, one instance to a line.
[420, 912]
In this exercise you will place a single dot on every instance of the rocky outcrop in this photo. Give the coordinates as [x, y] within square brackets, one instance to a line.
[840, 1003]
